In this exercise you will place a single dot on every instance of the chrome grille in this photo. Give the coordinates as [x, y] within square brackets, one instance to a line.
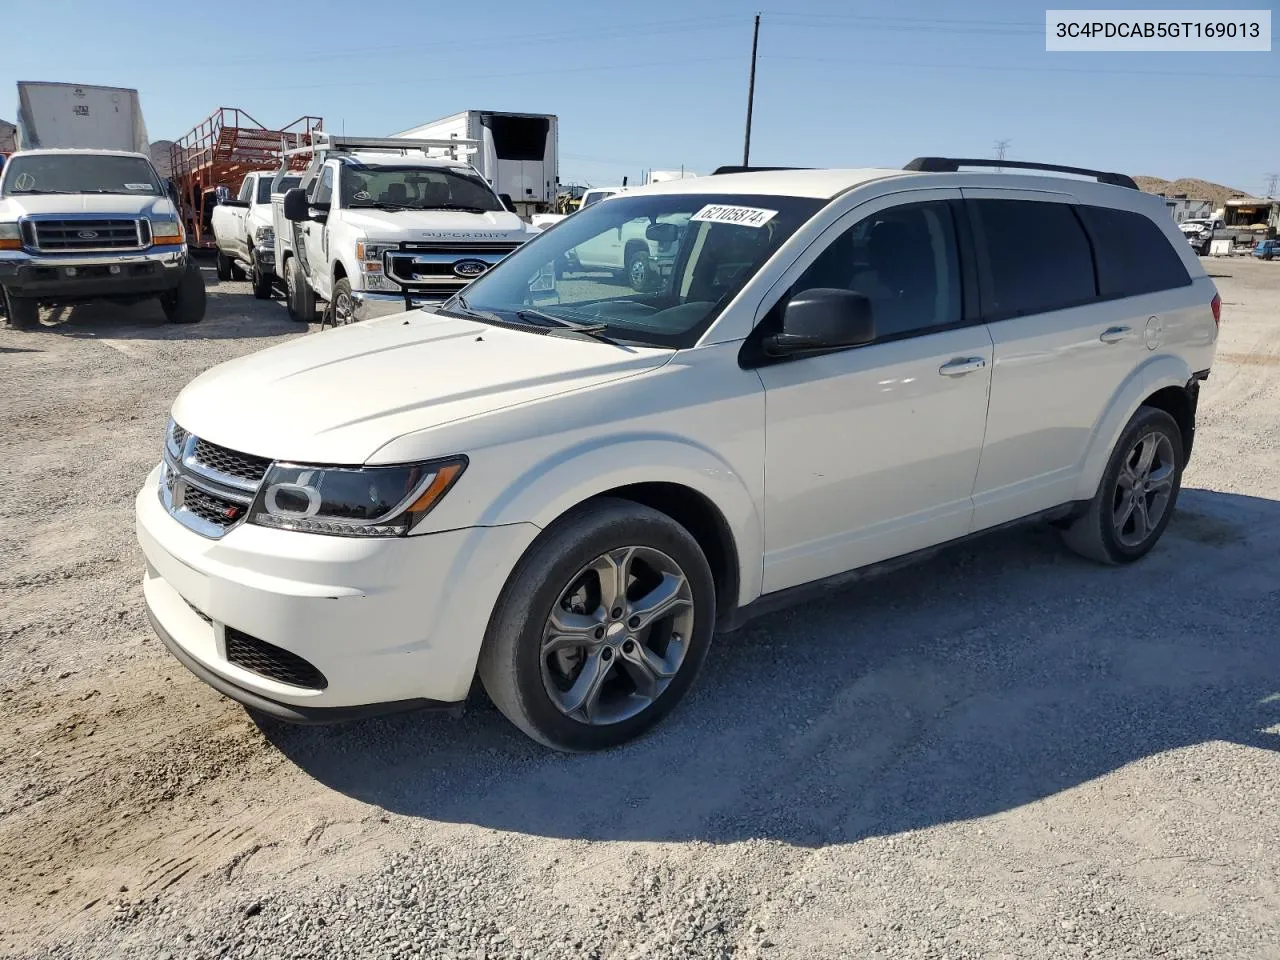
[422, 264]
[212, 509]
[178, 436]
[84, 234]
[243, 466]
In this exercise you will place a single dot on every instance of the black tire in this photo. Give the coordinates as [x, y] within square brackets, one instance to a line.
[299, 298]
[224, 267]
[185, 303]
[637, 269]
[510, 664]
[1095, 535]
[237, 272]
[21, 313]
[341, 305]
[262, 283]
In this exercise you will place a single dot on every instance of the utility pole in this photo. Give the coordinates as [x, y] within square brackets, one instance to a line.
[1272, 180]
[1001, 147]
[751, 93]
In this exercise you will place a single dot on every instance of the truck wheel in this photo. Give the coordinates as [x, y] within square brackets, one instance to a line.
[261, 283]
[237, 272]
[1137, 494]
[185, 303]
[344, 307]
[299, 298]
[601, 628]
[638, 269]
[224, 267]
[22, 313]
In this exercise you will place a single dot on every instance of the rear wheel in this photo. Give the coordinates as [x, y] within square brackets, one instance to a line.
[638, 269]
[1137, 495]
[299, 298]
[21, 313]
[185, 303]
[601, 628]
[224, 267]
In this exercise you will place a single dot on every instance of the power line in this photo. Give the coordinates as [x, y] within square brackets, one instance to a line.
[932, 65]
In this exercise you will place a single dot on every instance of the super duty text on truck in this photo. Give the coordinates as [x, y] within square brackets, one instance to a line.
[79, 225]
[379, 226]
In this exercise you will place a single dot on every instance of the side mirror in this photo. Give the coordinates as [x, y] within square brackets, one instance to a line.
[664, 234]
[508, 204]
[824, 318]
[295, 205]
[319, 212]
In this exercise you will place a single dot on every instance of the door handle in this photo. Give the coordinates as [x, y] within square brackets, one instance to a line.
[1114, 334]
[961, 365]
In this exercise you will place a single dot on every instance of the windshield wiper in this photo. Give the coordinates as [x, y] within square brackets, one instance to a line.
[594, 330]
[27, 193]
[450, 206]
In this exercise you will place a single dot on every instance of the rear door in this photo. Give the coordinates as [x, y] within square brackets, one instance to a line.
[1061, 349]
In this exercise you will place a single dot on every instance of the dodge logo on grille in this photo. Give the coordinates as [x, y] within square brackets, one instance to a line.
[466, 269]
[88, 234]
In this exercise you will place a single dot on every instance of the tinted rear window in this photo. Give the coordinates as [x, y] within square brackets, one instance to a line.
[1133, 254]
[1037, 256]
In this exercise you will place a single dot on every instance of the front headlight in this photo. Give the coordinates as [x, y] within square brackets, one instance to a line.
[166, 232]
[10, 237]
[369, 253]
[264, 236]
[352, 501]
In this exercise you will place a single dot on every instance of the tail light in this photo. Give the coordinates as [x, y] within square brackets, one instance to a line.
[1216, 306]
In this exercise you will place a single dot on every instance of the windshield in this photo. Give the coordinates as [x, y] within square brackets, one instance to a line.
[655, 269]
[264, 187]
[78, 173]
[415, 188]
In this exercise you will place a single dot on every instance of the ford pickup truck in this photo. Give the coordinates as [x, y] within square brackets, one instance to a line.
[78, 225]
[245, 234]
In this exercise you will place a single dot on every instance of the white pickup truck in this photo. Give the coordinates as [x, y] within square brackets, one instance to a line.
[245, 232]
[381, 226]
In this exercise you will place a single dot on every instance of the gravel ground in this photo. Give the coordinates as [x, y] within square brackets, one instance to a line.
[1003, 752]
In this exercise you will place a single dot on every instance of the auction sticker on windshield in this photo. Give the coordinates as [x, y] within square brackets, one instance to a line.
[137, 186]
[743, 216]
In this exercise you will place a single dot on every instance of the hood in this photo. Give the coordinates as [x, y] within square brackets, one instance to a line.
[260, 216]
[437, 225]
[337, 396]
[107, 204]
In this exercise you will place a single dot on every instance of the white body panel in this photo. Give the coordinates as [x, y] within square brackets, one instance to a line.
[817, 465]
[60, 115]
[530, 181]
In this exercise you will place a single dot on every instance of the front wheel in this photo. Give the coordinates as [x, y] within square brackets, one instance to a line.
[185, 303]
[21, 313]
[223, 267]
[261, 281]
[601, 628]
[638, 270]
[1138, 492]
[344, 305]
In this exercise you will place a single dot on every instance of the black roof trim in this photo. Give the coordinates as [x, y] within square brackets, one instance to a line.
[719, 170]
[952, 164]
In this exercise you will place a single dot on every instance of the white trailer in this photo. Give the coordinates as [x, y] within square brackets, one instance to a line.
[518, 153]
[60, 115]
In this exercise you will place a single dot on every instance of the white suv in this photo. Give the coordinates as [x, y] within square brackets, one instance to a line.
[569, 486]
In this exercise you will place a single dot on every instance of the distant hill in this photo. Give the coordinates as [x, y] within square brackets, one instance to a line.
[1196, 189]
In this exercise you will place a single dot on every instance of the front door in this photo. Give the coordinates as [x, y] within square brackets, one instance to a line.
[315, 235]
[872, 452]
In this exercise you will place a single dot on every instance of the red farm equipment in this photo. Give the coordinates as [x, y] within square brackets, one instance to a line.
[219, 152]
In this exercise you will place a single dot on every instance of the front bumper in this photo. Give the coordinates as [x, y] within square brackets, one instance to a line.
[264, 258]
[369, 305]
[70, 277]
[390, 624]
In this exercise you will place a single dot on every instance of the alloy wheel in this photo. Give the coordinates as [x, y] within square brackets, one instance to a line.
[617, 635]
[1143, 489]
[344, 310]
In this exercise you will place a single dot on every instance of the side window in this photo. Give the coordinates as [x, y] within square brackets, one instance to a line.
[904, 260]
[1133, 254]
[246, 189]
[324, 187]
[1036, 256]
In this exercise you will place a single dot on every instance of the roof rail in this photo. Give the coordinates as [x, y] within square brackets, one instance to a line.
[952, 164]
[719, 170]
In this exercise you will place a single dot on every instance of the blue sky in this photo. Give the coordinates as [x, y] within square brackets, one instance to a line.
[663, 83]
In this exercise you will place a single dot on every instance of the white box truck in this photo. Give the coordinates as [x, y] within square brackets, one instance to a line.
[54, 116]
[518, 153]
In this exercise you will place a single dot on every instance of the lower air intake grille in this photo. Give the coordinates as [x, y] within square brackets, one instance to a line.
[260, 657]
